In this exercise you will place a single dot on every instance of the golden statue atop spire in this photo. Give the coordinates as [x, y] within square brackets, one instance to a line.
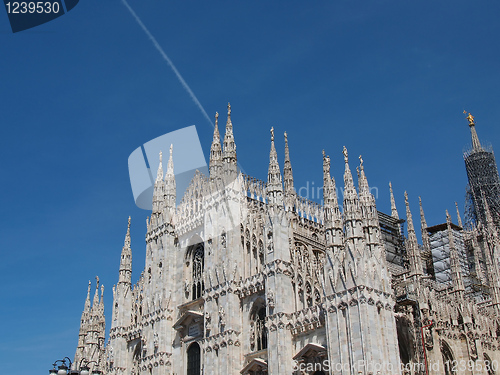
[470, 118]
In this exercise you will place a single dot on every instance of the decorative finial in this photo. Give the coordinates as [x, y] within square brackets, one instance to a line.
[459, 219]
[346, 156]
[286, 137]
[406, 197]
[323, 154]
[272, 134]
[216, 117]
[97, 285]
[128, 228]
[360, 162]
[470, 118]
[229, 109]
[160, 156]
[394, 210]
[171, 149]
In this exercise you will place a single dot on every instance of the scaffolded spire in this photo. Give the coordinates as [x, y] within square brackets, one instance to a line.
[394, 210]
[216, 152]
[477, 257]
[274, 180]
[288, 176]
[476, 145]
[455, 268]
[412, 243]
[491, 255]
[229, 153]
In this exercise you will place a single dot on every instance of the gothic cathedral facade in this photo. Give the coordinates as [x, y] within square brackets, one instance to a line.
[246, 277]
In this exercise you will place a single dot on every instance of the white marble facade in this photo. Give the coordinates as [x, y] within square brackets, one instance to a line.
[246, 277]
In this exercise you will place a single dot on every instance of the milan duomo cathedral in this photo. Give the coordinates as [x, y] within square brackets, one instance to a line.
[246, 277]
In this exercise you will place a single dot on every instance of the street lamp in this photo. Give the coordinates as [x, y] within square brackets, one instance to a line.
[85, 370]
[63, 369]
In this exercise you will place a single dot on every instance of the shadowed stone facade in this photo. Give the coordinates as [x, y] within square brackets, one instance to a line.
[246, 277]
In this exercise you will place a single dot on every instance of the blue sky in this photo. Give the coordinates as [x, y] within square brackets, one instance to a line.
[387, 79]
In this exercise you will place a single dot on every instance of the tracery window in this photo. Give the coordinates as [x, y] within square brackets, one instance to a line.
[197, 272]
[258, 330]
[308, 269]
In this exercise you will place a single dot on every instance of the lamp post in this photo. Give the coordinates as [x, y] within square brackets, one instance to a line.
[63, 369]
[85, 370]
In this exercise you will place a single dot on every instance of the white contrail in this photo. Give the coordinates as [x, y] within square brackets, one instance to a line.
[167, 59]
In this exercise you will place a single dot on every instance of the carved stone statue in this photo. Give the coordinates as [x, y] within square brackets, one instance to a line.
[270, 299]
[222, 317]
[270, 244]
[155, 339]
[208, 320]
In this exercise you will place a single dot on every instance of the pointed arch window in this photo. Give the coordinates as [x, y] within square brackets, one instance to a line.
[258, 330]
[193, 359]
[197, 272]
[448, 361]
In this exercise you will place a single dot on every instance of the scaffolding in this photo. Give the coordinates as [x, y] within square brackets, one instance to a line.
[484, 182]
[440, 248]
[392, 235]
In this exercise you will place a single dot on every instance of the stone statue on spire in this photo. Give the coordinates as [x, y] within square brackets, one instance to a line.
[346, 156]
[272, 134]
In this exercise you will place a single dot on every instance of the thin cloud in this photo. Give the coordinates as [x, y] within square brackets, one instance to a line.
[169, 62]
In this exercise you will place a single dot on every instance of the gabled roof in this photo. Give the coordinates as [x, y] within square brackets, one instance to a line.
[254, 365]
[310, 350]
[188, 314]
